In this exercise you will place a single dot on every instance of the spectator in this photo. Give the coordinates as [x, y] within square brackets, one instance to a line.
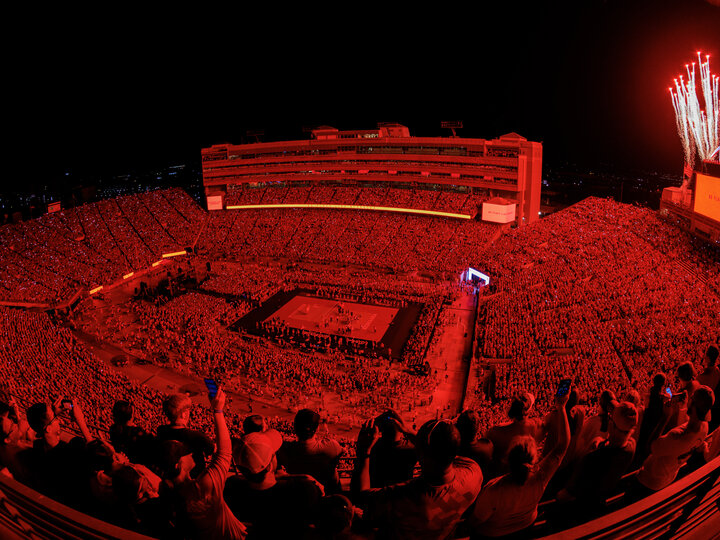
[311, 455]
[13, 439]
[688, 385]
[393, 456]
[177, 410]
[595, 426]
[479, 449]
[653, 418]
[126, 437]
[710, 377]
[508, 504]
[598, 473]
[429, 506]
[54, 465]
[200, 499]
[138, 506]
[671, 451]
[276, 506]
[502, 436]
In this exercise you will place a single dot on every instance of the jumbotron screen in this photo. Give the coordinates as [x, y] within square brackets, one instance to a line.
[707, 196]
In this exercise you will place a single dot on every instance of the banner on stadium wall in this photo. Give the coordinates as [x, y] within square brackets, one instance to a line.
[707, 196]
[214, 202]
[498, 213]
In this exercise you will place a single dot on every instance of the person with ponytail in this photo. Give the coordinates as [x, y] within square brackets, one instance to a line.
[508, 504]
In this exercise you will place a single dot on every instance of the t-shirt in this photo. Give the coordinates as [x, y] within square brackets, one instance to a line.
[417, 510]
[668, 454]
[205, 506]
[391, 462]
[504, 507]
[275, 512]
[316, 457]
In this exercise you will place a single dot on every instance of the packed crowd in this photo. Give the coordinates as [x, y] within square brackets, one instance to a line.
[189, 334]
[47, 259]
[607, 292]
[448, 478]
[399, 242]
[380, 195]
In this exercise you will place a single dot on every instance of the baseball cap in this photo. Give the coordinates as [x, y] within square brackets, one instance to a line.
[255, 450]
[624, 416]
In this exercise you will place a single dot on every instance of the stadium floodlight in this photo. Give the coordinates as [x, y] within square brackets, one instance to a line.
[697, 128]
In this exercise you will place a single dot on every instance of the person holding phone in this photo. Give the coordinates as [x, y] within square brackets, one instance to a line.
[508, 504]
[55, 465]
[671, 451]
[177, 409]
[502, 436]
[202, 498]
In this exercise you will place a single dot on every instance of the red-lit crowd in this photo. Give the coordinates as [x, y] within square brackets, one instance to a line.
[600, 290]
[195, 475]
[47, 259]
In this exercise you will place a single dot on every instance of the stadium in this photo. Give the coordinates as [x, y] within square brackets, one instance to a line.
[355, 273]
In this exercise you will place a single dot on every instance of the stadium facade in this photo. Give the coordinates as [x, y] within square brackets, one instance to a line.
[697, 210]
[506, 170]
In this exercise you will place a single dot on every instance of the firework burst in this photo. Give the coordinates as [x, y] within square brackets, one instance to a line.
[697, 128]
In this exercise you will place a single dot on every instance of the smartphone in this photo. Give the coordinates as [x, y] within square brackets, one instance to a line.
[66, 404]
[212, 387]
[669, 392]
[563, 387]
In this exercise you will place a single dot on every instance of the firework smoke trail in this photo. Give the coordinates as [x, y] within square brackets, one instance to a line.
[680, 105]
[698, 129]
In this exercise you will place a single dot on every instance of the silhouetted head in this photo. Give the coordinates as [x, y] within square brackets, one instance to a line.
[686, 371]
[177, 408]
[659, 381]
[711, 355]
[384, 422]
[468, 424]
[122, 412]
[521, 405]
[306, 423]
[521, 458]
[701, 402]
[439, 442]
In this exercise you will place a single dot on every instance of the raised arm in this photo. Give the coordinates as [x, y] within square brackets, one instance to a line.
[222, 434]
[559, 423]
[368, 436]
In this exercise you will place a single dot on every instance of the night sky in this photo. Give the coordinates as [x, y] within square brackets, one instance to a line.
[129, 90]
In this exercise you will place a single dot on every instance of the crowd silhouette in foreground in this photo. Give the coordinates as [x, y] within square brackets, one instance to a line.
[446, 479]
